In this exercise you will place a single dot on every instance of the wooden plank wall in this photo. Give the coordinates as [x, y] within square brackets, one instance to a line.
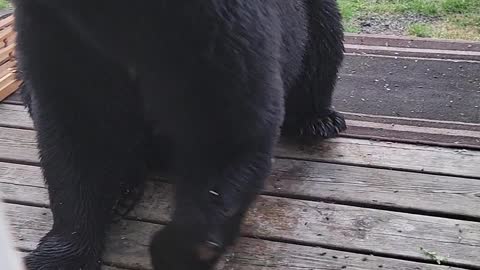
[8, 80]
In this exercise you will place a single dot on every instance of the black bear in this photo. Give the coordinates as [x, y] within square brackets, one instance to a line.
[205, 85]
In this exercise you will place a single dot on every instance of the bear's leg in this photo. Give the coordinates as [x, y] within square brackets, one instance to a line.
[208, 216]
[309, 109]
[224, 125]
[89, 136]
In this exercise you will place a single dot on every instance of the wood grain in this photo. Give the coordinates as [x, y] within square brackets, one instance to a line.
[5, 22]
[387, 155]
[128, 241]
[15, 116]
[321, 224]
[454, 134]
[19, 145]
[9, 88]
[404, 191]
[339, 226]
[7, 52]
[13, 98]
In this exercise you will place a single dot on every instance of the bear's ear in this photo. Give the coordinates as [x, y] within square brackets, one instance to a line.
[9, 257]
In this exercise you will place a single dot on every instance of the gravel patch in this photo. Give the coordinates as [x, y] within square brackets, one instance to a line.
[391, 24]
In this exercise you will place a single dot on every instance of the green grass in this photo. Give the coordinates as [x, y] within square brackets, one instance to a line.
[453, 18]
[420, 30]
[4, 4]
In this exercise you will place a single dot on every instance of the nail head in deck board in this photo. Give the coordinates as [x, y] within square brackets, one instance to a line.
[20, 145]
[128, 241]
[443, 195]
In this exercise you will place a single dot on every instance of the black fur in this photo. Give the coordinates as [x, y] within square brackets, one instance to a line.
[117, 86]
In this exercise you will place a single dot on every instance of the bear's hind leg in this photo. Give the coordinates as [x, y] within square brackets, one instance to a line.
[89, 136]
[309, 111]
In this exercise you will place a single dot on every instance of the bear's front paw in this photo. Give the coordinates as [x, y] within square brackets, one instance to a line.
[327, 126]
[170, 249]
[57, 252]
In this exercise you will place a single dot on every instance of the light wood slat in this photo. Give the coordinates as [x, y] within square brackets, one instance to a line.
[6, 33]
[339, 226]
[14, 98]
[6, 22]
[7, 52]
[414, 192]
[7, 78]
[127, 247]
[7, 90]
[6, 68]
[19, 145]
[11, 39]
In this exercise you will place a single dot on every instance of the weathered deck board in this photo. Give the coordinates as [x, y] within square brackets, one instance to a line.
[387, 155]
[391, 128]
[401, 129]
[127, 247]
[379, 187]
[19, 145]
[15, 116]
[414, 192]
[342, 226]
[323, 224]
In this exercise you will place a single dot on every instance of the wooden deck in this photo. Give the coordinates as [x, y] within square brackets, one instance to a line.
[329, 206]
[392, 193]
